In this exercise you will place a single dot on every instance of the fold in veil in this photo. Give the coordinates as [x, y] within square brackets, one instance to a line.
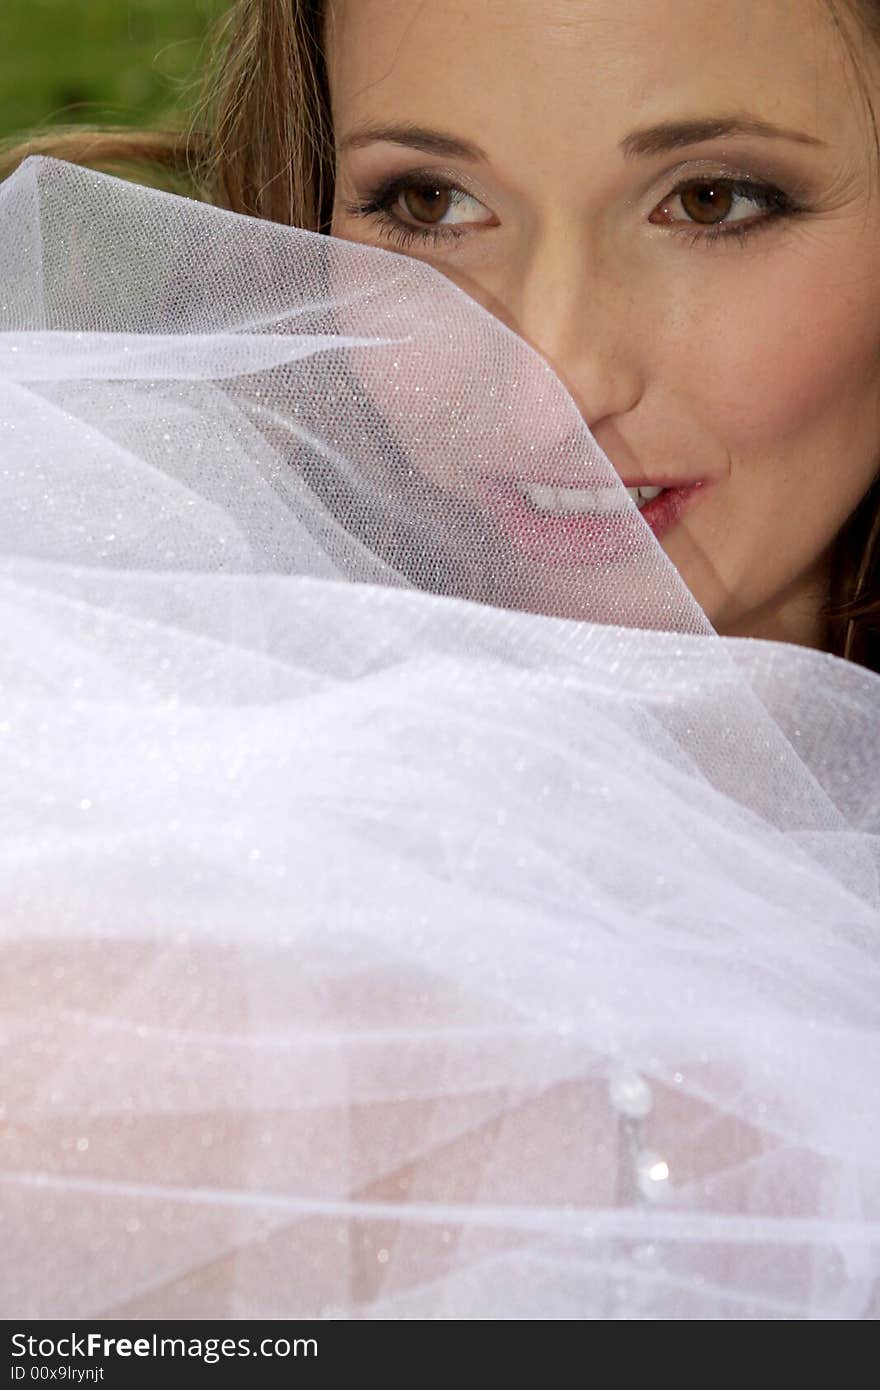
[411, 908]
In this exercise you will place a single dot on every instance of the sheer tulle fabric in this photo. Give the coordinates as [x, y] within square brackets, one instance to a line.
[403, 915]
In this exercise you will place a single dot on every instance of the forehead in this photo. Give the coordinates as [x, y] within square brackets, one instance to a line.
[511, 67]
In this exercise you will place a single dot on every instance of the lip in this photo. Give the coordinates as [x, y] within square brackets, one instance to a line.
[559, 541]
[554, 480]
[677, 484]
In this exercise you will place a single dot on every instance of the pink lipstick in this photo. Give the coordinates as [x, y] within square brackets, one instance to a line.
[609, 532]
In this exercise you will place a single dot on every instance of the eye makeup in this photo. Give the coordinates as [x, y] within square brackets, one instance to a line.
[381, 204]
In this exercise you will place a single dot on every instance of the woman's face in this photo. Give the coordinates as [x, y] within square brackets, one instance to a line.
[710, 299]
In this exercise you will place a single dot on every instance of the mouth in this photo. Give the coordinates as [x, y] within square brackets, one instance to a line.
[579, 501]
[563, 526]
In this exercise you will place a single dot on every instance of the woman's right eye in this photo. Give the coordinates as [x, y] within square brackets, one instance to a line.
[438, 204]
[409, 209]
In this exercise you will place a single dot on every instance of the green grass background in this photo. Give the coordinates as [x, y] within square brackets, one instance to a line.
[120, 62]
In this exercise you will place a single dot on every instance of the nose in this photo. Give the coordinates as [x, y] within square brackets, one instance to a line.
[576, 310]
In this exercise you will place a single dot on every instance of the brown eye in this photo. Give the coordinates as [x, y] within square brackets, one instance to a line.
[707, 203]
[426, 204]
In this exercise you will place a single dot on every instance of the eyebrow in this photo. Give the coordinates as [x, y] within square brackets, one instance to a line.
[643, 143]
[674, 135]
[416, 138]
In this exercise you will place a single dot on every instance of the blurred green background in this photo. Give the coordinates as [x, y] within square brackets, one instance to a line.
[119, 62]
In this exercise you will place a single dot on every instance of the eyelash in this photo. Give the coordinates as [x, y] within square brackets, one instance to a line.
[379, 202]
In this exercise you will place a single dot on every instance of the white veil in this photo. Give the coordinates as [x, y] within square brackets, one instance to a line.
[403, 914]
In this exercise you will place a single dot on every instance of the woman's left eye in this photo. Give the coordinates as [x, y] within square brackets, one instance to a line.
[717, 208]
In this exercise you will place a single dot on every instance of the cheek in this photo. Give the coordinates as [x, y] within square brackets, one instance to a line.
[788, 354]
[777, 378]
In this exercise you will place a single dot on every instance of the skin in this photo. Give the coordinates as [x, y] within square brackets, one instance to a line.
[751, 363]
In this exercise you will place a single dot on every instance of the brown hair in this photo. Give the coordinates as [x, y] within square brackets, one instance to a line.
[261, 143]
